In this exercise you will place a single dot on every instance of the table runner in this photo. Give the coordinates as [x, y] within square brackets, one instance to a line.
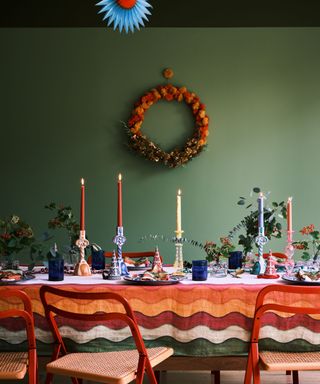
[208, 319]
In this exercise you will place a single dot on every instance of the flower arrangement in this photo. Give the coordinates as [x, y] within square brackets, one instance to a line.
[16, 235]
[214, 251]
[151, 151]
[249, 224]
[311, 246]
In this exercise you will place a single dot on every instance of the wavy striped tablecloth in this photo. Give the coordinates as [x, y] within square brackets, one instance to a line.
[208, 319]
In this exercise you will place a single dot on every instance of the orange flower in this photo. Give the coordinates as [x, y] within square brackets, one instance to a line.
[139, 111]
[180, 97]
[196, 105]
[202, 113]
[168, 73]
[299, 246]
[133, 120]
[138, 125]
[307, 229]
[205, 121]
[183, 90]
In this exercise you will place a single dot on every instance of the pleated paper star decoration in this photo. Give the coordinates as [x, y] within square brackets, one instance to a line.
[125, 14]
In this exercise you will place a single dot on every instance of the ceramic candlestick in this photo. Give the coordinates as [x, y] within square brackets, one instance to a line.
[119, 240]
[178, 262]
[82, 267]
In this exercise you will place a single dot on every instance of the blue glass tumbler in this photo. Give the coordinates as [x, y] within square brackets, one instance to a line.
[56, 269]
[199, 270]
[235, 260]
[98, 260]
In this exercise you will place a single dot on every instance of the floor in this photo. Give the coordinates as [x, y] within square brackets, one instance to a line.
[227, 377]
[236, 377]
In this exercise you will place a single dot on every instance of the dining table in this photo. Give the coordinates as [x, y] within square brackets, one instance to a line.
[207, 323]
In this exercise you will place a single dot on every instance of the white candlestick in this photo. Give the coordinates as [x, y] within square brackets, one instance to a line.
[178, 227]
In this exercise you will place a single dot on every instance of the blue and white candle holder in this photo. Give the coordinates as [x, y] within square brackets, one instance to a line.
[119, 240]
[259, 267]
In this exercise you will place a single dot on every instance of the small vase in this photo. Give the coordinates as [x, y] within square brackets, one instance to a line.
[218, 269]
[98, 260]
[199, 270]
[10, 264]
[56, 269]
[235, 259]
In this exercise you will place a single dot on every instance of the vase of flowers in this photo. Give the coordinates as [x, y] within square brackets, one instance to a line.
[248, 227]
[310, 247]
[16, 235]
[215, 251]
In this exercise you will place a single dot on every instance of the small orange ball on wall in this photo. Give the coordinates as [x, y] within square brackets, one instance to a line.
[168, 73]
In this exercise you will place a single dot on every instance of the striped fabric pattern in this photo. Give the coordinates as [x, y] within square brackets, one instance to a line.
[196, 320]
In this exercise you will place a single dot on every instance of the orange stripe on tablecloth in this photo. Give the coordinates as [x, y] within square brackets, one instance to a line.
[184, 300]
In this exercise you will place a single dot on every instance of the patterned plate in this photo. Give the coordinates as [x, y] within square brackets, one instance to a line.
[296, 281]
[10, 282]
[137, 281]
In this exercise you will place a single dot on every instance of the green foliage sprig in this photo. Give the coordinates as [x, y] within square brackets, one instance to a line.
[213, 251]
[249, 224]
[15, 236]
[64, 218]
[311, 246]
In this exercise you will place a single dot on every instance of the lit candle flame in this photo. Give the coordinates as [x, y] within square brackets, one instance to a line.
[179, 192]
[119, 177]
[82, 181]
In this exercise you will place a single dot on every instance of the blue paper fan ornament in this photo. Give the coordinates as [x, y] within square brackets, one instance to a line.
[125, 14]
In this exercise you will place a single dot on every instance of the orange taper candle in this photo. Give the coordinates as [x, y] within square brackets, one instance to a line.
[82, 206]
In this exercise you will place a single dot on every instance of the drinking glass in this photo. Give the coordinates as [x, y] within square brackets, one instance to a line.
[199, 270]
[56, 269]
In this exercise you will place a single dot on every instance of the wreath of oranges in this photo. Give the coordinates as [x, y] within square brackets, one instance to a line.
[151, 151]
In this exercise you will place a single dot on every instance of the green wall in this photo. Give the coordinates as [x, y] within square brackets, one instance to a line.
[64, 92]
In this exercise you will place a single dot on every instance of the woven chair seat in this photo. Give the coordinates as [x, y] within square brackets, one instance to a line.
[106, 367]
[13, 365]
[302, 361]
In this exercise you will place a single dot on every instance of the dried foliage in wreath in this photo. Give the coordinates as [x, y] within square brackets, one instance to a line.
[151, 151]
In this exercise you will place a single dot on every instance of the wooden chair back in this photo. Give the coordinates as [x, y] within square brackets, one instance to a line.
[127, 317]
[27, 315]
[261, 307]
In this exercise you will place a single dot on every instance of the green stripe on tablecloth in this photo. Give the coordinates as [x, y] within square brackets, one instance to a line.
[198, 347]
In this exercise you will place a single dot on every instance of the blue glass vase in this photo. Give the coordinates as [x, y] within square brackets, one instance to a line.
[235, 260]
[56, 269]
[199, 270]
[98, 259]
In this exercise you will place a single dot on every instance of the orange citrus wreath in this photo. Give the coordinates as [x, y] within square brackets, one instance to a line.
[150, 150]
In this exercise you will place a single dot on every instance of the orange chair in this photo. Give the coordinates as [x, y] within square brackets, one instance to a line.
[106, 367]
[14, 365]
[273, 360]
